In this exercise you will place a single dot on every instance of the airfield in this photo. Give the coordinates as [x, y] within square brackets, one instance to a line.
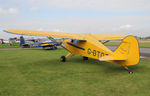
[37, 72]
[144, 52]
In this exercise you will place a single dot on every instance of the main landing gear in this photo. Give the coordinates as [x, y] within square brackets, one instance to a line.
[63, 58]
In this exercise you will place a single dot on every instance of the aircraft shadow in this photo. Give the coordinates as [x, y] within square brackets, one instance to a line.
[106, 66]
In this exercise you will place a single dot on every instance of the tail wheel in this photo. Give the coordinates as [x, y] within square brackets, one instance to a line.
[63, 58]
[130, 72]
[85, 58]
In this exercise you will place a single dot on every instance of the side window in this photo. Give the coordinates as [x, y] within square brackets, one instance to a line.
[75, 41]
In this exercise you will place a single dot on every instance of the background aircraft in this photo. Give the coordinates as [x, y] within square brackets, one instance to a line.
[36, 43]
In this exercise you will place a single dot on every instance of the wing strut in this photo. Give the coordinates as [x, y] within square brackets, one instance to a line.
[105, 41]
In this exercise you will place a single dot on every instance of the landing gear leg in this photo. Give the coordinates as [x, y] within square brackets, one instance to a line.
[129, 71]
[63, 58]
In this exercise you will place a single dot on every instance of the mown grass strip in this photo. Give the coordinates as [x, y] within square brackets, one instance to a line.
[40, 73]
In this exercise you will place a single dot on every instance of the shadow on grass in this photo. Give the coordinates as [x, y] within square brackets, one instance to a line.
[3, 67]
[105, 66]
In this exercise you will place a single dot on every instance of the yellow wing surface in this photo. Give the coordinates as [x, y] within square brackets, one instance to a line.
[108, 36]
[66, 35]
[45, 33]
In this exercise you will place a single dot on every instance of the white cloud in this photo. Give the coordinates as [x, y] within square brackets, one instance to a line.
[10, 11]
[100, 5]
[13, 11]
[56, 30]
[34, 8]
[125, 26]
[130, 25]
[133, 25]
[2, 12]
[40, 29]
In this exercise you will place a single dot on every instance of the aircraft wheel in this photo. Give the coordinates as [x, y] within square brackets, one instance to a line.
[85, 58]
[63, 58]
[53, 47]
[130, 72]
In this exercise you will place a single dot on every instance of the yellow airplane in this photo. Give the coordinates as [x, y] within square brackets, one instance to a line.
[90, 45]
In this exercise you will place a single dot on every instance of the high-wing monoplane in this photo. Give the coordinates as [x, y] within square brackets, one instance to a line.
[37, 43]
[91, 46]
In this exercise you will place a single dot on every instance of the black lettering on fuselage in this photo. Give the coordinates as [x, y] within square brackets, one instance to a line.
[89, 51]
[95, 53]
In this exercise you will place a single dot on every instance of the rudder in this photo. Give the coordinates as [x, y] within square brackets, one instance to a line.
[129, 49]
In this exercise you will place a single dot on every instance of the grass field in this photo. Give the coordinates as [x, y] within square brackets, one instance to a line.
[8, 46]
[40, 73]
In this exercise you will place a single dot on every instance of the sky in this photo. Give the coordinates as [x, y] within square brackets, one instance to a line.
[131, 17]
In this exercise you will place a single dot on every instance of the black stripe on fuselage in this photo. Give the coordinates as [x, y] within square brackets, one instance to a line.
[75, 46]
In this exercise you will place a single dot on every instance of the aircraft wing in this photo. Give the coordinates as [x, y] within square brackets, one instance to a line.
[108, 36]
[46, 33]
[66, 35]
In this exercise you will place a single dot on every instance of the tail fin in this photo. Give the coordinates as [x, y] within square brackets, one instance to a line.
[22, 41]
[129, 50]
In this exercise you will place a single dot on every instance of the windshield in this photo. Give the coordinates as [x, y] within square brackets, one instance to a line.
[47, 40]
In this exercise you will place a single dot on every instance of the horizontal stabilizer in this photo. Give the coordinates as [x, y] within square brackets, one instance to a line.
[107, 58]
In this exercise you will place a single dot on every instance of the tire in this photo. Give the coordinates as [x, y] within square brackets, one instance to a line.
[130, 72]
[63, 59]
[53, 47]
[85, 58]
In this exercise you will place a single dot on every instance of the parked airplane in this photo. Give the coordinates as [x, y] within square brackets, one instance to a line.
[89, 45]
[33, 43]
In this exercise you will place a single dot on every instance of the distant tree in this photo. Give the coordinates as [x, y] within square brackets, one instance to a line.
[147, 37]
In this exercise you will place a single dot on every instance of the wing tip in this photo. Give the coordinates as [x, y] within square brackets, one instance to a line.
[7, 31]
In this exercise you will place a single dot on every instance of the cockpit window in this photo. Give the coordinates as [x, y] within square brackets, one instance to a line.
[47, 40]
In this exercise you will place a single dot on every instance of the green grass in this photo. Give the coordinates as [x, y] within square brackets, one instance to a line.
[112, 44]
[9, 46]
[145, 45]
[40, 73]
[141, 44]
